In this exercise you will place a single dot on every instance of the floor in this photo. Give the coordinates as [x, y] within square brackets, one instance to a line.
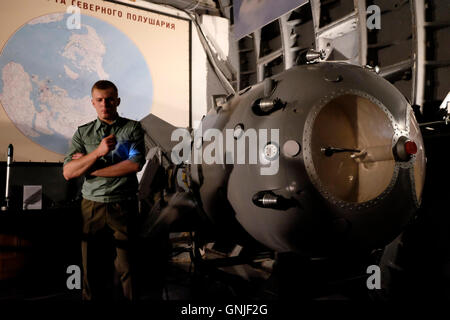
[216, 278]
[220, 276]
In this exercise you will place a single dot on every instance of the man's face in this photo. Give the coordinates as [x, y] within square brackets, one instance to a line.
[105, 103]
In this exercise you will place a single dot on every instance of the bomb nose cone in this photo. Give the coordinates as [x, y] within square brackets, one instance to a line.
[410, 147]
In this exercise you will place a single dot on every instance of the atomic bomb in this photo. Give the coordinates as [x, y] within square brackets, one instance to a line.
[318, 158]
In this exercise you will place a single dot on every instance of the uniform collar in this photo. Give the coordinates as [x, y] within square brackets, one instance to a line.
[99, 123]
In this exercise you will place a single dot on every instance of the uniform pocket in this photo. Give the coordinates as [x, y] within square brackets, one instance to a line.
[87, 211]
[91, 146]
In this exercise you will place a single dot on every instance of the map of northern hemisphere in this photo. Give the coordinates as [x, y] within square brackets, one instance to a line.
[47, 71]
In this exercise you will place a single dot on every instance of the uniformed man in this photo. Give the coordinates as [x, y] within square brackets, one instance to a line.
[108, 152]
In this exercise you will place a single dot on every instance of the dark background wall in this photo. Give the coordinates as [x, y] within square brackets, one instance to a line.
[56, 191]
[37, 246]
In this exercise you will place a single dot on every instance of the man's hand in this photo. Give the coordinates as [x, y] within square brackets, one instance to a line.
[108, 144]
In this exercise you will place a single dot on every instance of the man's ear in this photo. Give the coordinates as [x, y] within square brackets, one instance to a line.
[118, 101]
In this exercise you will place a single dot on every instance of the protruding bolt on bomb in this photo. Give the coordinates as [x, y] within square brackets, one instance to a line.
[329, 151]
[310, 56]
[265, 106]
[267, 199]
[404, 149]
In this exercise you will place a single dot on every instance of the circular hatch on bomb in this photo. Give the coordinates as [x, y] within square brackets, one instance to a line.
[348, 152]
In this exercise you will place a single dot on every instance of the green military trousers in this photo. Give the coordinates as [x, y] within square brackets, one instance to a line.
[107, 249]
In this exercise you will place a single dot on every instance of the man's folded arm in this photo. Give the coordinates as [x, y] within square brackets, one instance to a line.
[119, 169]
[78, 167]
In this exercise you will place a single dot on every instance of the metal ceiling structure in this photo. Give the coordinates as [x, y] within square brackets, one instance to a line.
[199, 6]
[407, 48]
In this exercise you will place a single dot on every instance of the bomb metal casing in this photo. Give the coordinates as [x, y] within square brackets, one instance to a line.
[351, 161]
